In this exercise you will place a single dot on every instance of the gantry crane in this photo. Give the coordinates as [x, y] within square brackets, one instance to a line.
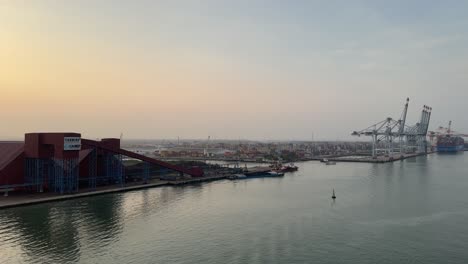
[386, 132]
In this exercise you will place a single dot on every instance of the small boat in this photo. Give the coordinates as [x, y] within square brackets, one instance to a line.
[327, 161]
[278, 167]
[274, 174]
[333, 195]
[289, 168]
[237, 177]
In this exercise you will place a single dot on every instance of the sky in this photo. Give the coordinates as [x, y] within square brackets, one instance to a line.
[244, 69]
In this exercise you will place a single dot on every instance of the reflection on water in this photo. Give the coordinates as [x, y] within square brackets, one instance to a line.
[36, 231]
[55, 232]
[407, 211]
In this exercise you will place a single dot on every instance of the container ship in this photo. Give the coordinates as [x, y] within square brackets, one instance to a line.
[448, 143]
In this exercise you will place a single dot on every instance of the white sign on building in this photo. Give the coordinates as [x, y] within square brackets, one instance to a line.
[72, 143]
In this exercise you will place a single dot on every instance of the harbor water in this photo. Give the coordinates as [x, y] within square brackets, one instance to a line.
[410, 211]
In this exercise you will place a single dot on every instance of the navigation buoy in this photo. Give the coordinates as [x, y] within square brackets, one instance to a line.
[333, 195]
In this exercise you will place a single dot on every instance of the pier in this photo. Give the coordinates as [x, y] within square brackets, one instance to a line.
[20, 199]
[378, 159]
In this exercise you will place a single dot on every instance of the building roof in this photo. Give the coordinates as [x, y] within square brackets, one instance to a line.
[9, 151]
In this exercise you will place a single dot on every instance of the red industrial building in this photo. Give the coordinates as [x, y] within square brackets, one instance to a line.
[64, 162]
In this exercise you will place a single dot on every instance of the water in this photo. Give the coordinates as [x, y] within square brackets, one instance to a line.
[415, 211]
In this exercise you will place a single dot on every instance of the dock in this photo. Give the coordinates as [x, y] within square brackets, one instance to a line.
[18, 199]
[197, 180]
[378, 159]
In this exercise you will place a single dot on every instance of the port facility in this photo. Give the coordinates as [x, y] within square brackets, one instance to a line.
[64, 163]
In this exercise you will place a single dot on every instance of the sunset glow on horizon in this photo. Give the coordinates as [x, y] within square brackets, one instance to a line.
[229, 69]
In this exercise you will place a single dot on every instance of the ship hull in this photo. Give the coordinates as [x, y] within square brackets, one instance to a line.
[450, 148]
[448, 143]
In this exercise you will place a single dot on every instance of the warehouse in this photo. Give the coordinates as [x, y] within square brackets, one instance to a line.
[64, 163]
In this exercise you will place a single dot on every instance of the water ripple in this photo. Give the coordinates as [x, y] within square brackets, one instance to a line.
[405, 212]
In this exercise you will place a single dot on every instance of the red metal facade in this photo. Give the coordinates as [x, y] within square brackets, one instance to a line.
[11, 163]
[48, 145]
[13, 155]
[35, 145]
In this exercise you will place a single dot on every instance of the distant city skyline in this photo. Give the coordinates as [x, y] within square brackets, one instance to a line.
[260, 70]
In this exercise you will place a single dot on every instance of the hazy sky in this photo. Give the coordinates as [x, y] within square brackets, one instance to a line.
[229, 69]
